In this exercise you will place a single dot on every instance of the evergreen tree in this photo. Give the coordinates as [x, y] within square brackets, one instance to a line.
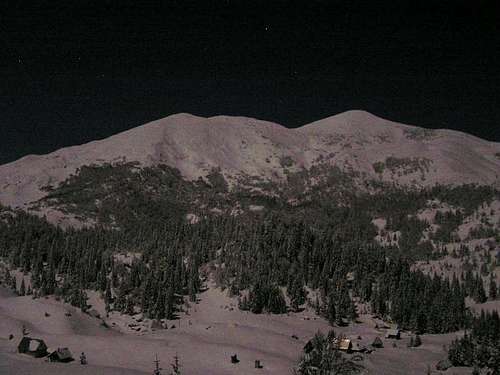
[418, 341]
[331, 311]
[276, 303]
[493, 291]
[323, 358]
[176, 366]
[22, 289]
[297, 295]
[12, 282]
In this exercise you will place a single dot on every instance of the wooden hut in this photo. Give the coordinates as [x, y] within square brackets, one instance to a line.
[393, 334]
[345, 345]
[60, 355]
[377, 342]
[356, 347]
[33, 347]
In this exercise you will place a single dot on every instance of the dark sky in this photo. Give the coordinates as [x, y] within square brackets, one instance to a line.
[73, 73]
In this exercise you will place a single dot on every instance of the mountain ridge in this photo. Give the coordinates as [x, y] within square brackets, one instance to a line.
[243, 147]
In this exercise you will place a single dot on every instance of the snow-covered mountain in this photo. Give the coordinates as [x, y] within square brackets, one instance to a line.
[354, 141]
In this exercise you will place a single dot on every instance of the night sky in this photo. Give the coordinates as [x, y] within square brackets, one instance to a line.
[74, 73]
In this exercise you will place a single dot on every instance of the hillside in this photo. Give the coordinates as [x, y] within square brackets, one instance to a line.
[352, 222]
[250, 152]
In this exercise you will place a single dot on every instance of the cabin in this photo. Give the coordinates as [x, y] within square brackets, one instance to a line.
[393, 334]
[83, 359]
[349, 345]
[60, 355]
[377, 342]
[356, 347]
[34, 347]
[345, 345]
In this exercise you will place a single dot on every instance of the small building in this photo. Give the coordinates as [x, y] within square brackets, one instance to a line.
[349, 345]
[393, 334]
[356, 347]
[377, 342]
[345, 345]
[60, 355]
[83, 360]
[33, 347]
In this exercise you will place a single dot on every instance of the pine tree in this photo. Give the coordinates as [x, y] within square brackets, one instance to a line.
[176, 366]
[129, 306]
[170, 304]
[83, 300]
[298, 295]
[493, 291]
[108, 295]
[276, 302]
[22, 289]
[317, 305]
[12, 282]
[331, 311]
[243, 303]
[411, 344]
[480, 294]
[418, 341]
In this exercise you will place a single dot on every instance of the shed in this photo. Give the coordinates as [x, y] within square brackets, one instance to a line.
[377, 342]
[33, 347]
[345, 345]
[60, 355]
[393, 334]
[357, 347]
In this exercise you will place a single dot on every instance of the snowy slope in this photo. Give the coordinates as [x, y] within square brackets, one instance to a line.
[239, 146]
